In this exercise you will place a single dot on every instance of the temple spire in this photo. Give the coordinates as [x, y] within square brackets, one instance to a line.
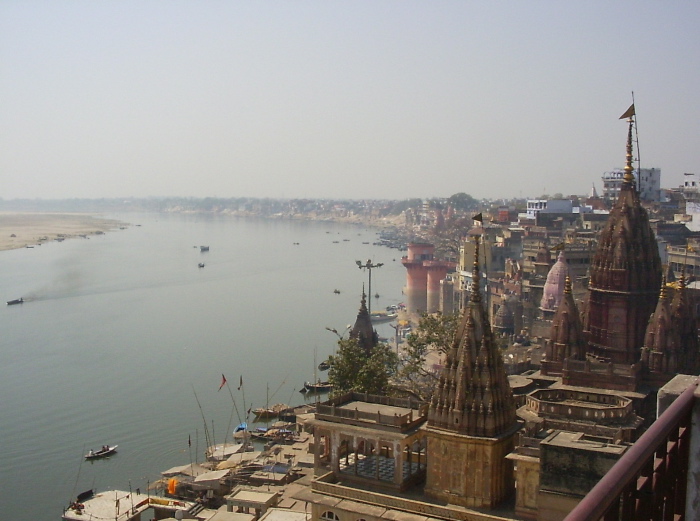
[473, 396]
[476, 289]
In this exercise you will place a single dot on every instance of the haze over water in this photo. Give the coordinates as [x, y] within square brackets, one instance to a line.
[120, 331]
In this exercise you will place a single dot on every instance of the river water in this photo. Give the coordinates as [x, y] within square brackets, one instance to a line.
[119, 332]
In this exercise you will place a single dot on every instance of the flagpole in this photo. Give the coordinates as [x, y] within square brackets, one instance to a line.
[639, 156]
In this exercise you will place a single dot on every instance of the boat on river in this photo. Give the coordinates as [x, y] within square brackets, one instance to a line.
[269, 412]
[15, 301]
[105, 451]
[382, 316]
[318, 387]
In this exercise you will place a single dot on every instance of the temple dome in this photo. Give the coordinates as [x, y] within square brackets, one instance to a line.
[554, 287]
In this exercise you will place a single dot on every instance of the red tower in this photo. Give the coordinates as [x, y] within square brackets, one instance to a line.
[417, 276]
[423, 278]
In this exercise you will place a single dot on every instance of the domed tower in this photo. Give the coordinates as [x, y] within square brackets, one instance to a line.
[504, 321]
[566, 336]
[363, 331]
[625, 277]
[471, 417]
[554, 287]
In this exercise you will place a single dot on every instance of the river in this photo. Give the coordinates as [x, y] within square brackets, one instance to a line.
[118, 333]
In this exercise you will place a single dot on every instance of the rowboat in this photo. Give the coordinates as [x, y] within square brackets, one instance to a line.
[105, 451]
[269, 412]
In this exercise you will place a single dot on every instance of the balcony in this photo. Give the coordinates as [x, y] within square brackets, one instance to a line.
[658, 478]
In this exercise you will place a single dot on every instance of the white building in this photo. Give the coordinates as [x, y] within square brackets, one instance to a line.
[648, 185]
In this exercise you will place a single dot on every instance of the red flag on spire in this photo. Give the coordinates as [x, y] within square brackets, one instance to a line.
[223, 381]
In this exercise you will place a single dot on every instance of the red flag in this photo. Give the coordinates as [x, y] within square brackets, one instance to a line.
[223, 381]
[241, 383]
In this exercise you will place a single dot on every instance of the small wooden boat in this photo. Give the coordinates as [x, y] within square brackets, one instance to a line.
[382, 316]
[15, 301]
[241, 432]
[105, 451]
[324, 366]
[204, 248]
[201, 264]
[269, 412]
[318, 387]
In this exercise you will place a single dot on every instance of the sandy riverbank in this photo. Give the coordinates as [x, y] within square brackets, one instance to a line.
[19, 230]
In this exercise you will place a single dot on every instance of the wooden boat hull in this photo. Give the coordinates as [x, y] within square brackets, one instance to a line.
[102, 453]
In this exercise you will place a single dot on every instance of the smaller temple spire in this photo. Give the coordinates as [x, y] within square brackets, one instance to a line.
[363, 331]
[473, 396]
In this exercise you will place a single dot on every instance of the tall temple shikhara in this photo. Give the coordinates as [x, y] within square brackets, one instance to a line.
[471, 417]
[625, 277]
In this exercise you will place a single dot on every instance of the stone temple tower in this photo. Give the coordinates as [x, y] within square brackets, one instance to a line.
[471, 418]
[625, 278]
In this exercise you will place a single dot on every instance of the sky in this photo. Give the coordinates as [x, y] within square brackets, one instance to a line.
[378, 99]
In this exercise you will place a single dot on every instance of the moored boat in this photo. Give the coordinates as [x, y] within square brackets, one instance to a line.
[318, 387]
[241, 432]
[105, 450]
[269, 412]
[382, 316]
[15, 301]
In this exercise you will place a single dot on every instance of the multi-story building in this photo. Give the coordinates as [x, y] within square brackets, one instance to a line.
[648, 184]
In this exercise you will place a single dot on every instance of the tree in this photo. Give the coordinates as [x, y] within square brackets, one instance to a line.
[462, 201]
[434, 333]
[352, 369]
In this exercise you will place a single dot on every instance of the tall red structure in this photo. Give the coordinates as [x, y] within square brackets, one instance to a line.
[423, 277]
[625, 277]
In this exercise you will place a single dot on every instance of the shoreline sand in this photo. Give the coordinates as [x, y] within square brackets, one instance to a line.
[21, 230]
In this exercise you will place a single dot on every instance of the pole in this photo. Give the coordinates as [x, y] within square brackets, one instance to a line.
[368, 266]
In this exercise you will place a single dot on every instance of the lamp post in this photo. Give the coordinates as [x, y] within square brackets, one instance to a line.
[396, 327]
[339, 335]
[368, 266]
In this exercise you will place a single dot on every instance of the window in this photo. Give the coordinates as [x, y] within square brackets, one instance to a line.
[330, 516]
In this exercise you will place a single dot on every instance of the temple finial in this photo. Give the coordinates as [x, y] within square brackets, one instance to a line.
[567, 285]
[629, 176]
[476, 294]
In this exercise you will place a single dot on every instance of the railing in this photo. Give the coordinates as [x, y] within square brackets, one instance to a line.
[649, 481]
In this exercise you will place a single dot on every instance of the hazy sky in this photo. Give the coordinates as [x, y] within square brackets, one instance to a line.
[353, 99]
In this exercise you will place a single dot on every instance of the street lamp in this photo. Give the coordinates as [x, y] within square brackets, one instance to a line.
[368, 266]
[339, 335]
[396, 327]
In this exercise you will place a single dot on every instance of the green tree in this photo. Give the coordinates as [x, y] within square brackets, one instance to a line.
[353, 370]
[462, 201]
[434, 333]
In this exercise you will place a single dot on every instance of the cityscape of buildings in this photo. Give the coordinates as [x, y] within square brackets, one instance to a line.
[576, 315]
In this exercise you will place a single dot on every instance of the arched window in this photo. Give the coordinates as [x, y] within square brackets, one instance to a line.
[330, 516]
